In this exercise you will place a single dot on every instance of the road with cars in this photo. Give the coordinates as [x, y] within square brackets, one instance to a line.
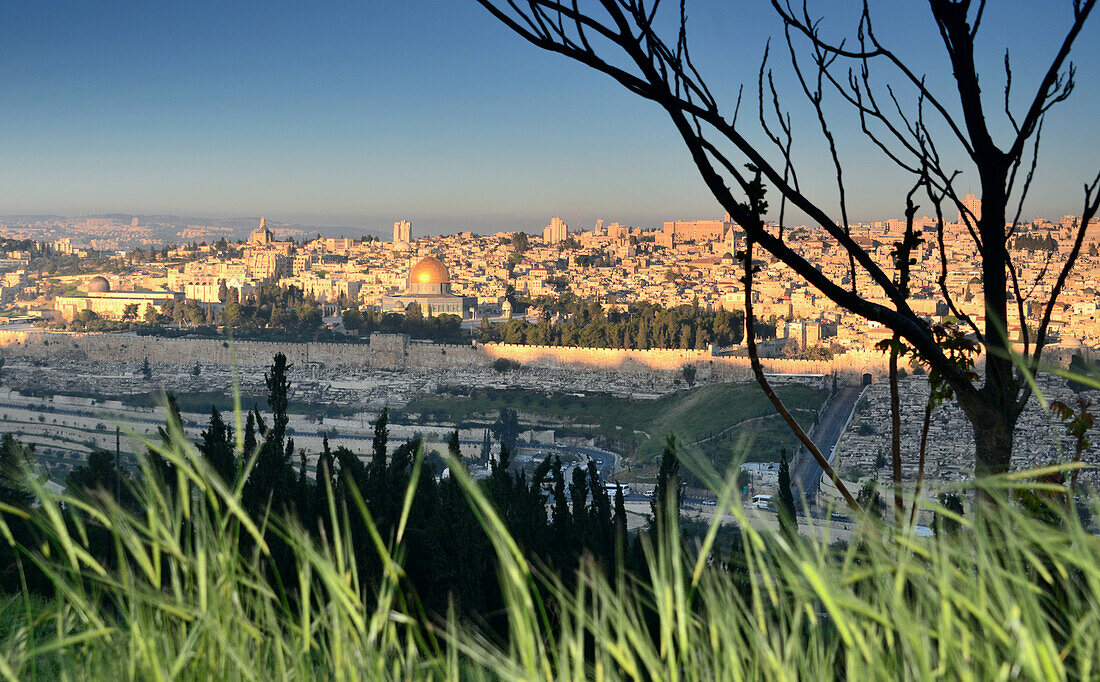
[805, 471]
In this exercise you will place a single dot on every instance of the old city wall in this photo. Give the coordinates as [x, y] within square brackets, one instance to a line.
[397, 352]
[850, 366]
[167, 351]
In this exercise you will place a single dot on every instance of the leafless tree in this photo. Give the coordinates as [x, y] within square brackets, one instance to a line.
[898, 112]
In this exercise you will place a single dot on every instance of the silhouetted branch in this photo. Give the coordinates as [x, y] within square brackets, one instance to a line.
[1088, 212]
[758, 372]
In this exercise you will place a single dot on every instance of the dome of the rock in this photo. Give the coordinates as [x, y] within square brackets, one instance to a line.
[429, 271]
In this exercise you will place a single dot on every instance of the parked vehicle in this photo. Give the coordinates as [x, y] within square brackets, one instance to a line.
[763, 502]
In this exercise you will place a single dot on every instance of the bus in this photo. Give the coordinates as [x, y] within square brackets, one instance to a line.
[763, 502]
[610, 488]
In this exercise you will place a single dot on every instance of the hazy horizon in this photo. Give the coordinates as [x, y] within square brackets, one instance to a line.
[359, 115]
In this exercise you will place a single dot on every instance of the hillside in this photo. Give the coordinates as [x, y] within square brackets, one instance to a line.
[709, 419]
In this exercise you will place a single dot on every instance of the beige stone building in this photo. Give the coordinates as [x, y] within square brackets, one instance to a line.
[99, 299]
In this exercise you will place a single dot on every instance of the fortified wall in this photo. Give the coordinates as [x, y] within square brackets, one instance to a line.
[396, 352]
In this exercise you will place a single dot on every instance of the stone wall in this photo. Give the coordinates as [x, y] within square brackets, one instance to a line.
[397, 352]
[850, 366]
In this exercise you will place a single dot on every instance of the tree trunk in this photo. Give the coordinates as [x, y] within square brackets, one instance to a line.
[993, 446]
[993, 426]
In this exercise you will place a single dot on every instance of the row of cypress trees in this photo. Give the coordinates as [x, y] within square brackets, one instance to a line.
[556, 516]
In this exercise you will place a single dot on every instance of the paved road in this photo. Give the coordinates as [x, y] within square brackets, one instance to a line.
[607, 462]
[805, 471]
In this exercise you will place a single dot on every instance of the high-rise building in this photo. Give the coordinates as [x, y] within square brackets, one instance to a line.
[973, 206]
[556, 232]
[402, 231]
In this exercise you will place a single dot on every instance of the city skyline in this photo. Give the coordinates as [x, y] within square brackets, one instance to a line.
[361, 116]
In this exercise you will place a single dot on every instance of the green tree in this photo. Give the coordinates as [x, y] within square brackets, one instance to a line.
[454, 447]
[217, 447]
[667, 495]
[788, 519]
[562, 524]
[381, 439]
[249, 439]
[99, 476]
[943, 524]
[352, 319]
[519, 242]
[688, 372]
[273, 473]
[870, 500]
[620, 519]
[601, 528]
[16, 461]
[485, 447]
[506, 428]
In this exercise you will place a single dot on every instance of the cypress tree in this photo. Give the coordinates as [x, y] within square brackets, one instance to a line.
[278, 388]
[261, 426]
[454, 447]
[667, 491]
[561, 523]
[273, 474]
[620, 520]
[324, 485]
[217, 447]
[381, 438]
[600, 523]
[578, 491]
[786, 508]
[249, 435]
[485, 447]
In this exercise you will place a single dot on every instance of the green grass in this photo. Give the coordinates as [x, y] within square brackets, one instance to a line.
[187, 597]
[730, 411]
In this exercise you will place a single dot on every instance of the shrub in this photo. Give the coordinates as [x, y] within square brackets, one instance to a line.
[503, 365]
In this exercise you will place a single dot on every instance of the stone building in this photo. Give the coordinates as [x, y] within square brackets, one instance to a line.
[98, 298]
[429, 286]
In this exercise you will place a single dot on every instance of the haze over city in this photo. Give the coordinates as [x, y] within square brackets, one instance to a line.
[370, 112]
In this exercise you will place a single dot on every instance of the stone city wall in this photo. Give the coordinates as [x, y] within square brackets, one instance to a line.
[398, 352]
[850, 366]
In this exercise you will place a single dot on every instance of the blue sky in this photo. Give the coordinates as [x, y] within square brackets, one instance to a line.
[359, 113]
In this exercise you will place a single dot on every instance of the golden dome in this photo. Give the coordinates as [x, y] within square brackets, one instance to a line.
[429, 271]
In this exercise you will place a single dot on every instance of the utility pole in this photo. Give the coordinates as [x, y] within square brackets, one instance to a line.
[118, 469]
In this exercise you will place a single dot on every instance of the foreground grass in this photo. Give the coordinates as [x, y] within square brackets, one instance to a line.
[188, 594]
